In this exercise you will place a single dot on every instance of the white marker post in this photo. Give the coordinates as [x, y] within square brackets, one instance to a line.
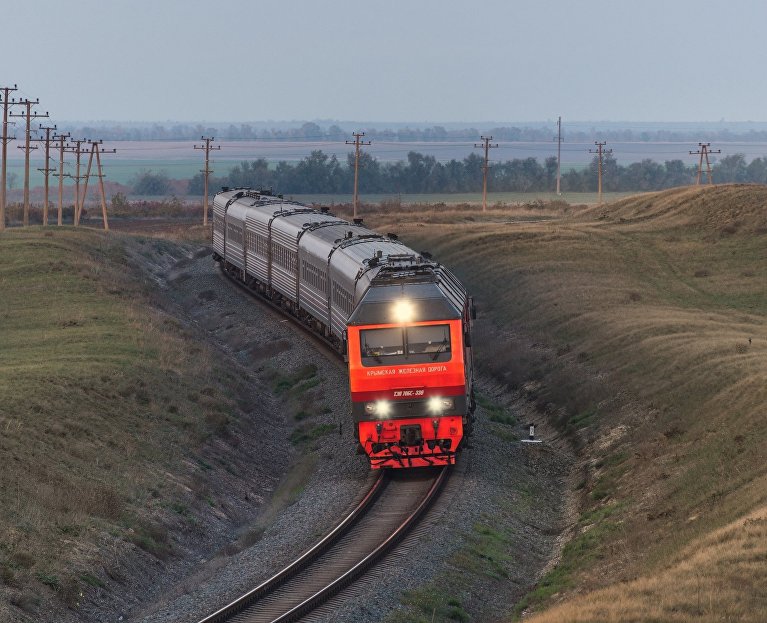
[531, 437]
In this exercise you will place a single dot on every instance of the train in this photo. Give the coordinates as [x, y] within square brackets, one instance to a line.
[399, 318]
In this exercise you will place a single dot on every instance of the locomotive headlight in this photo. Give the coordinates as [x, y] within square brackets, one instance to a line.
[402, 311]
[379, 408]
[439, 405]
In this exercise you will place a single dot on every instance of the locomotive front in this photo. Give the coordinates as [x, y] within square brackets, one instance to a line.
[410, 370]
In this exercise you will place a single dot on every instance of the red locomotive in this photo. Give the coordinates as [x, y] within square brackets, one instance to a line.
[402, 320]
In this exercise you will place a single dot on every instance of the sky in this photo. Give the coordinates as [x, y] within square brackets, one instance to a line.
[399, 61]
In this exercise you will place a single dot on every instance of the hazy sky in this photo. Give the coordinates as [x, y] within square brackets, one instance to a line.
[392, 60]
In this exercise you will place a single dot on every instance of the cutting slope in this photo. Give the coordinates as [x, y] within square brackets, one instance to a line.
[640, 329]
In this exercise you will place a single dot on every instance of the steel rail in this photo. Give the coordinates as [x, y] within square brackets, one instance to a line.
[246, 601]
[366, 563]
[298, 565]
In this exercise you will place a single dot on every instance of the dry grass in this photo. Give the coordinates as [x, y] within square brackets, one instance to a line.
[643, 328]
[639, 328]
[719, 577]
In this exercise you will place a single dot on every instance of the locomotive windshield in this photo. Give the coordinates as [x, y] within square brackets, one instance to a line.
[403, 345]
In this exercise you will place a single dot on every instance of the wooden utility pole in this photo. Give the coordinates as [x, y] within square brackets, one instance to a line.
[101, 185]
[601, 152]
[96, 150]
[206, 172]
[61, 138]
[75, 149]
[704, 149]
[487, 146]
[27, 148]
[356, 142]
[559, 153]
[46, 170]
[6, 106]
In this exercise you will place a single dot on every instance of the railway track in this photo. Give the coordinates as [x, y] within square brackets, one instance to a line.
[391, 508]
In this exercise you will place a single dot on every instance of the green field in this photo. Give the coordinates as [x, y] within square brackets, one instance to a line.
[103, 400]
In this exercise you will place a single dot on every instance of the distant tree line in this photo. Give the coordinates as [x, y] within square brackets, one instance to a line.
[320, 173]
[314, 132]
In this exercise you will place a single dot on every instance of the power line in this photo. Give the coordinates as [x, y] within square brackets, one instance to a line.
[601, 152]
[206, 172]
[61, 138]
[75, 149]
[487, 146]
[356, 142]
[96, 150]
[46, 170]
[29, 115]
[558, 139]
[704, 150]
[5, 139]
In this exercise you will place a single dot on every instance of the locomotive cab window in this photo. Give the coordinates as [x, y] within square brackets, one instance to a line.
[424, 344]
[428, 340]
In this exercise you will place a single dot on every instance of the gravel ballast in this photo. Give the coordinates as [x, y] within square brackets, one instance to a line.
[503, 495]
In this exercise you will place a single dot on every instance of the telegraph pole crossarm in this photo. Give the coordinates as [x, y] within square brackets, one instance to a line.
[29, 115]
[487, 147]
[6, 103]
[356, 142]
[206, 172]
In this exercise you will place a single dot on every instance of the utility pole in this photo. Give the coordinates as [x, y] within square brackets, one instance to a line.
[206, 172]
[46, 170]
[704, 149]
[61, 138]
[356, 142]
[559, 153]
[27, 148]
[6, 105]
[96, 150]
[75, 149]
[601, 152]
[487, 147]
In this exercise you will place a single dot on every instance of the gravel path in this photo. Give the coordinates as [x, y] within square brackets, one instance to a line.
[512, 489]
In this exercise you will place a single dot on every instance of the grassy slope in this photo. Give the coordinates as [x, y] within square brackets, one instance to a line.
[641, 314]
[101, 401]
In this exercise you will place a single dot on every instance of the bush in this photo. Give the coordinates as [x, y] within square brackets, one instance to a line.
[145, 182]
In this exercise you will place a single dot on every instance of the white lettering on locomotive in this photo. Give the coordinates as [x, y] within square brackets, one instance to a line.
[385, 372]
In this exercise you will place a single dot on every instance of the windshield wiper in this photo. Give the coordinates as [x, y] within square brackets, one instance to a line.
[442, 348]
[368, 352]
